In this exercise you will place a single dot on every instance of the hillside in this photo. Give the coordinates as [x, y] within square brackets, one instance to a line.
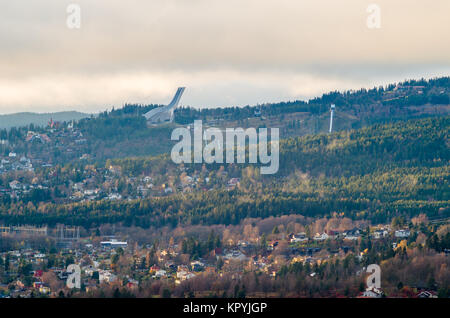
[408, 99]
[38, 119]
[375, 173]
[123, 132]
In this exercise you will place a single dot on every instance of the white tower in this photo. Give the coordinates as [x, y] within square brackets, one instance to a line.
[331, 117]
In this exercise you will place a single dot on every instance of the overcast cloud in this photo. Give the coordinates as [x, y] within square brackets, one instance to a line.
[233, 52]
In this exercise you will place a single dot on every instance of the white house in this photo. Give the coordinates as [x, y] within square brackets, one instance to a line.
[168, 190]
[380, 234]
[352, 235]
[235, 255]
[402, 233]
[372, 292]
[113, 243]
[299, 237]
[114, 196]
[321, 237]
[106, 277]
[197, 265]
[160, 273]
[15, 185]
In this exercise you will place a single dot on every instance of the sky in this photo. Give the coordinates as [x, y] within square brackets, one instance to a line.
[226, 52]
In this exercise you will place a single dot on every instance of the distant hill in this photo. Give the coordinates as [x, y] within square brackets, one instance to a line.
[362, 107]
[123, 132]
[38, 119]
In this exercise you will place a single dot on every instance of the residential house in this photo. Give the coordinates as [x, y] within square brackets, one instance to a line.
[402, 233]
[299, 237]
[378, 234]
[160, 274]
[321, 237]
[106, 276]
[352, 234]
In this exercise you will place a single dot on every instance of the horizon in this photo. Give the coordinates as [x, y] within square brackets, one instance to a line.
[307, 100]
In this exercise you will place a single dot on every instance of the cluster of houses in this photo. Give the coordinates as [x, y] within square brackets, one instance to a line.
[15, 162]
[98, 268]
[68, 141]
[90, 189]
[349, 235]
[16, 189]
[99, 263]
[70, 144]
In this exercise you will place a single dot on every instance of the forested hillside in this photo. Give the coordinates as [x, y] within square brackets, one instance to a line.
[374, 173]
[403, 100]
[123, 132]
